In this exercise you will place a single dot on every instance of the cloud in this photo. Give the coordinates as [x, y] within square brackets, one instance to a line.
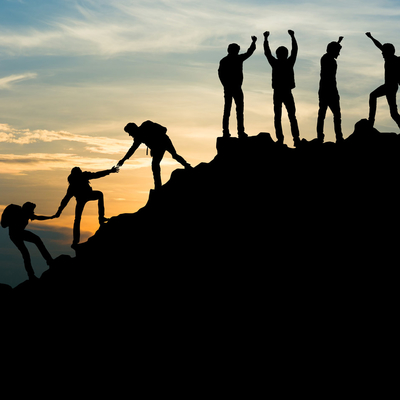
[21, 164]
[180, 26]
[94, 144]
[14, 164]
[7, 81]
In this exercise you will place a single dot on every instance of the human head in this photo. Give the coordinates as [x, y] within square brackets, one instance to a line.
[388, 50]
[29, 208]
[75, 172]
[233, 49]
[282, 53]
[333, 49]
[131, 128]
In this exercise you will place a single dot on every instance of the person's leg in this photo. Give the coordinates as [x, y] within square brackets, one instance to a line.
[97, 195]
[323, 106]
[227, 111]
[239, 101]
[291, 110]
[277, 98]
[379, 92]
[32, 238]
[19, 242]
[171, 149]
[334, 105]
[391, 99]
[157, 154]
[80, 204]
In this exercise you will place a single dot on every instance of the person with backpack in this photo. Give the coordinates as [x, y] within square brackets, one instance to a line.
[392, 79]
[328, 93]
[16, 218]
[79, 187]
[155, 137]
[283, 82]
[230, 73]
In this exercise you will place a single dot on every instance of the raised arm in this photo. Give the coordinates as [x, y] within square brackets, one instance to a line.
[267, 50]
[376, 42]
[129, 153]
[295, 47]
[251, 49]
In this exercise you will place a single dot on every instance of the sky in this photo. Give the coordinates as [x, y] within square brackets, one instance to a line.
[73, 73]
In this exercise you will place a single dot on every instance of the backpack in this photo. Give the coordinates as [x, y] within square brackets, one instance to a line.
[9, 214]
[152, 134]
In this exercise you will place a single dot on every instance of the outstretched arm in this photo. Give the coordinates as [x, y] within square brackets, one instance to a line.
[41, 217]
[295, 47]
[376, 42]
[129, 153]
[267, 50]
[64, 203]
[101, 174]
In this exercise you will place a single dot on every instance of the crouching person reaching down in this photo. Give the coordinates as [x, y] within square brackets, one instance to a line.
[155, 137]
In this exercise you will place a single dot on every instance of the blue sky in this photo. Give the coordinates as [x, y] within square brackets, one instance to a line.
[73, 73]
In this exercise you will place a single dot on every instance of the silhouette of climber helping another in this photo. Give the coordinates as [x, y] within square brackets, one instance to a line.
[230, 73]
[283, 82]
[155, 137]
[16, 218]
[392, 79]
[328, 93]
[80, 188]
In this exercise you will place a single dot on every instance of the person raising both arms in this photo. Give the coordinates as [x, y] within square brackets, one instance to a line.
[283, 82]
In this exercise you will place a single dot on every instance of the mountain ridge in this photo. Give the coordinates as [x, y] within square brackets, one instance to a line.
[258, 217]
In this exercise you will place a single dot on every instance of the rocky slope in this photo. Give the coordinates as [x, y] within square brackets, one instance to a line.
[260, 222]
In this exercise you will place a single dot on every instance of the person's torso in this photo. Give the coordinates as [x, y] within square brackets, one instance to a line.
[283, 74]
[392, 71]
[231, 70]
[328, 73]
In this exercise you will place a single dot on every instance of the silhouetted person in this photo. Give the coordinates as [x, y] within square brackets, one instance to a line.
[283, 82]
[155, 137]
[389, 88]
[79, 187]
[230, 73]
[16, 218]
[328, 93]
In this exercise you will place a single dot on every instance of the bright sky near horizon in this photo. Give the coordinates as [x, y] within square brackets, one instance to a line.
[74, 72]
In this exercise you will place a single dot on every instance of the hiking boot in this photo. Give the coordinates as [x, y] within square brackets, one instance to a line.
[243, 135]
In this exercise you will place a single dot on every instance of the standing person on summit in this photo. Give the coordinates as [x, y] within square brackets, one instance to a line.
[328, 93]
[392, 79]
[155, 137]
[230, 73]
[283, 83]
